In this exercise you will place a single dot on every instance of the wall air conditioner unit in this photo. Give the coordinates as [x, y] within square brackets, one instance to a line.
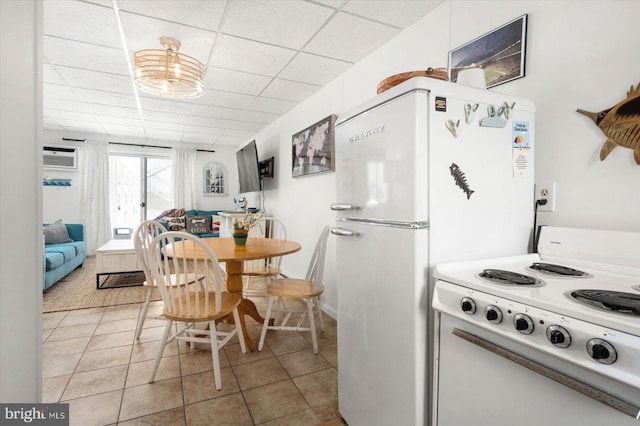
[60, 157]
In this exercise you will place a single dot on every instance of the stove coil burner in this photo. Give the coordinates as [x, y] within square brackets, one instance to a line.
[612, 301]
[500, 276]
[559, 270]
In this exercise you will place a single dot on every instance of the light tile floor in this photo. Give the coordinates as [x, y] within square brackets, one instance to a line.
[92, 361]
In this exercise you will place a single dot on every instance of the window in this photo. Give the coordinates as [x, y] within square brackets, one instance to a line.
[215, 179]
[140, 189]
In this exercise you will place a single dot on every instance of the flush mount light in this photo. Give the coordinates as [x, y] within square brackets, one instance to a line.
[167, 72]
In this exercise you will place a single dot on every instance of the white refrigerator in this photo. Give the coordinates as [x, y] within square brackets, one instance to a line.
[427, 172]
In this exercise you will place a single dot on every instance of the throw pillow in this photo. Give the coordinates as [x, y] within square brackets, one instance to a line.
[176, 224]
[198, 224]
[56, 233]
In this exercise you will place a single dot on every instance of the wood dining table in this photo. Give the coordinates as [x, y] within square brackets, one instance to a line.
[234, 257]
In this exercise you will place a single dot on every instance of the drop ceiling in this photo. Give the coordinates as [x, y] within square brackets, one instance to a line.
[262, 57]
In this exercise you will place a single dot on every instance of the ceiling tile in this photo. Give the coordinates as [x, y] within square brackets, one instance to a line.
[216, 112]
[284, 23]
[94, 79]
[199, 138]
[289, 90]
[81, 126]
[165, 116]
[76, 20]
[239, 133]
[58, 92]
[196, 13]
[230, 140]
[399, 13]
[106, 98]
[162, 125]
[83, 55]
[350, 38]
[201, 130]
[166, 105]
[259, 117]
[63, 104]
[142, 32]
[168, 135]
[119, 121]
[58, 115]
[225, 99]
[313, 69]
[225, 124]
[250, 56]
[336, 4]
[117, 130]
[112, 110]
[275, 106]
[235, 81]
[50, 75]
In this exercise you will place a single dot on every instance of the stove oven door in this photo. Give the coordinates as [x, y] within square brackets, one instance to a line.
[476, 386]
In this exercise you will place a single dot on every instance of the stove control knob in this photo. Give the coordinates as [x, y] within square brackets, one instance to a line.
[602, 351]
[493, 314]
[468, 306]
[523, 323]
[558, 336]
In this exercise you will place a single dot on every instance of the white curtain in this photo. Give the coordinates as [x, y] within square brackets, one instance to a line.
[183, 178]
[94, 197]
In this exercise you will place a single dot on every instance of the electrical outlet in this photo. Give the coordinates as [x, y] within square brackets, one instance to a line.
[546, 191]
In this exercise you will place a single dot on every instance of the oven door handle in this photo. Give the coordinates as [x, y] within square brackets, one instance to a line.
[585, 389]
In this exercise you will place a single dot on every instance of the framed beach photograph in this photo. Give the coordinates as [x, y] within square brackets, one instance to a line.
[500, 53]
[313, 149]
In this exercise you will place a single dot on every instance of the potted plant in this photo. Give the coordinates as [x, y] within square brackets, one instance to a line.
[241, 227]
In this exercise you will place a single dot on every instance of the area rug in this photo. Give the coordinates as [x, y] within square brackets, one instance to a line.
[78, 291]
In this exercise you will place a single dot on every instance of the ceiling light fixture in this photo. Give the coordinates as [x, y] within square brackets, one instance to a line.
[167, 72]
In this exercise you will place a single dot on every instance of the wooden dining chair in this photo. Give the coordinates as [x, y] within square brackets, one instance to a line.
[142, 238]
[267, 269]
[191, 305]
[308, 290]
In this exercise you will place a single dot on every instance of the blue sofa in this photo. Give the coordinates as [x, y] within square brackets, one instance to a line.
[62, 258]
[214, 234]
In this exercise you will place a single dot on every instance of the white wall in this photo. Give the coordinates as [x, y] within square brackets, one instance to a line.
[21, 262]
[579, 54]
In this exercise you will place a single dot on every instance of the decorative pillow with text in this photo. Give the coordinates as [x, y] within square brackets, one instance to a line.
[198, 224]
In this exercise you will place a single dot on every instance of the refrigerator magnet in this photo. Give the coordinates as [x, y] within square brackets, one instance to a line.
[441, 104]
[453, 126]
[521, 147]
[460, 179]
[469, 112]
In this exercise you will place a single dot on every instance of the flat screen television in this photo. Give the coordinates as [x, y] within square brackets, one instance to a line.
[248, 169]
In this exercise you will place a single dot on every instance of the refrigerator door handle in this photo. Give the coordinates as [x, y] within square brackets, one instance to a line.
[342, 207]
[342, 232]
[389, 223]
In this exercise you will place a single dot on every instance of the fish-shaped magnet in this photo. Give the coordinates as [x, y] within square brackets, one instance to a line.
[460, 179]
[620, 124]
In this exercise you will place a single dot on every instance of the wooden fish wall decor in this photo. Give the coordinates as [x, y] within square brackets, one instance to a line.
[620, 124]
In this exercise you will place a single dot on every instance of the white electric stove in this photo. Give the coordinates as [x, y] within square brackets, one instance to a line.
[547, 338]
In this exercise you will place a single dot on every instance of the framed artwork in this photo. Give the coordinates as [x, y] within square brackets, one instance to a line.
[501, 53]
[313, 148]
